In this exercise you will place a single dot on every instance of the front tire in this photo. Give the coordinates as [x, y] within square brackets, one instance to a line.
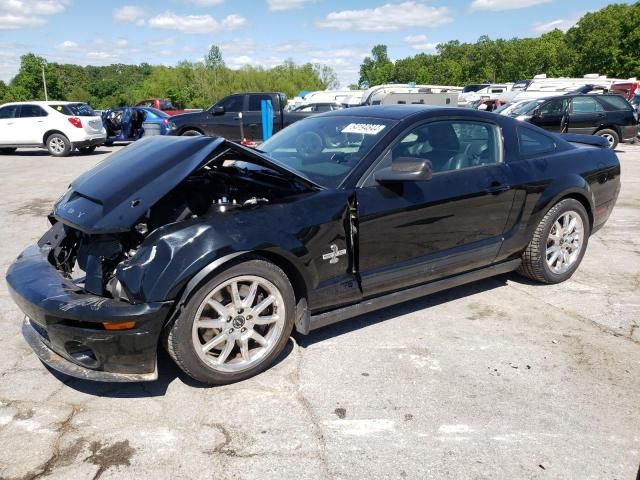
[610, 136]
[58, 145]
[558, 244]
[235, 325]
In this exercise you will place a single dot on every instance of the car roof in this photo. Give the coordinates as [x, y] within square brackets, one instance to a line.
[43, 102]
[401, 112]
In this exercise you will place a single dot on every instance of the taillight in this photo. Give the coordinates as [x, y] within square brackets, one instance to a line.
[165, 121]
[75, 121]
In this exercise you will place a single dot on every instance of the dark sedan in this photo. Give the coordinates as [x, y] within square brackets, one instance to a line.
[218, 251]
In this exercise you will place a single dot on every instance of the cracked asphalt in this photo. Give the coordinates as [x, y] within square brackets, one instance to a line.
[498, 379]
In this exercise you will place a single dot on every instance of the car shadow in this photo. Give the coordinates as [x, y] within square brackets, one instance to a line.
[168, 372]
[366, 320]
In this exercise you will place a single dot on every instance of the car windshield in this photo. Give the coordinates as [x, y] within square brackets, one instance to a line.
[525, 108]
[166, 105]
[326, 149]
[75, 109]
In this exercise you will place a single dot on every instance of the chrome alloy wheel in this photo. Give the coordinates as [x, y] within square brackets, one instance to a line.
[565, 242]
[609, 138]
[57, 145]
[239, 323]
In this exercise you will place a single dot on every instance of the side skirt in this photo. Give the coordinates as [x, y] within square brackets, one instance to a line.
[376, 303]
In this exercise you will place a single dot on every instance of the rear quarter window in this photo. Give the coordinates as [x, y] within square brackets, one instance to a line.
[614, 102]
[531, 142]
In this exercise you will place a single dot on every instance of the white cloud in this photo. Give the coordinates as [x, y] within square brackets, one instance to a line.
[28, 13]
[129, 14]
[280, 5]
[498, 5]
[67, 45]
[122, 43]
[161, 42]
[419, 42]
[562, 24]
[197, 24]
[204, 3]
[238, 47]
[388, 18]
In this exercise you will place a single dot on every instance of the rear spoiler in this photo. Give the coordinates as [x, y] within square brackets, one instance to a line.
[585, 139]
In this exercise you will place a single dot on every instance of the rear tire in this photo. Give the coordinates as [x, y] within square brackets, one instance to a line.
[190, 133]
[562, 234]
[611, 136]
[220, 339]
[58, 145]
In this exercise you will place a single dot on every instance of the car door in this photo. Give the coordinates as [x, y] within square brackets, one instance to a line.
[415, 231]
[252, 117]
[585, 114]
[8, 117]
[549, 115]
[227, 123]
[31, 124]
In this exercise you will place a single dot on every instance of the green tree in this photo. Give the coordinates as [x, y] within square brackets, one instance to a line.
[376, 69]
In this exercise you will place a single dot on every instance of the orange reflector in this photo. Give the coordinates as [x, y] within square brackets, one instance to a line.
[118, 326]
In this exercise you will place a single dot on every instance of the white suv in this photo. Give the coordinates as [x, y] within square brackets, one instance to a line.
[58, 126]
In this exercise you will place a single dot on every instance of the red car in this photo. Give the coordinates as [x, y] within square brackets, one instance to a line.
[161, 104]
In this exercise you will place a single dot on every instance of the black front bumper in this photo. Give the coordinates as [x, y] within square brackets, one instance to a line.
[64, 324]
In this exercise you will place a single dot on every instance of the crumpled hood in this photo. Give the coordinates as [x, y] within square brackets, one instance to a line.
[113, 195]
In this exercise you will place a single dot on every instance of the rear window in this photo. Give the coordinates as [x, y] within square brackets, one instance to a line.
[614, 102]
[166, 105]
[74, 109]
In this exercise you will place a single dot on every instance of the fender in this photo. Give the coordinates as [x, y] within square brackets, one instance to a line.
[174, 254]
[569, 185]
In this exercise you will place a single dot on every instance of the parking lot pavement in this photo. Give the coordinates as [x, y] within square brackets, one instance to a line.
[498, 379]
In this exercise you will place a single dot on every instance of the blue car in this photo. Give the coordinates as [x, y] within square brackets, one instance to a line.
[128, 124]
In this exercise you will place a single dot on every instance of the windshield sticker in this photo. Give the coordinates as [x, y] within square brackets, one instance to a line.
[363, 128]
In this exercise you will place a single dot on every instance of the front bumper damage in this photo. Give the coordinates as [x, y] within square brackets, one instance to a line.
[64, 324]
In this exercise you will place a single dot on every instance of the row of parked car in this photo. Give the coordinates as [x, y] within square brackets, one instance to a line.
[63, 127]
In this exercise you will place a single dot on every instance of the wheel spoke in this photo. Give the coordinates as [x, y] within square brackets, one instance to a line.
[571, 226]
[235, 296]
[559, 229]
[215, 341]
[205, 322]
[266, 320]
[258, 338]
[552, 249]
[554, 257]
[224, 354]
[244, 349]
[218, 307]
[248, 300]
[263, 304]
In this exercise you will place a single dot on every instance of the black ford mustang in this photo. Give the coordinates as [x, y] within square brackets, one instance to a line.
[219, 251]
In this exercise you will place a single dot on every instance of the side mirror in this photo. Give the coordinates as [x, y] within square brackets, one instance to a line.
[405, 169]
[218, 110]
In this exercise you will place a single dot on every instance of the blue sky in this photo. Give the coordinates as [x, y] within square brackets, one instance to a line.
[263, 32]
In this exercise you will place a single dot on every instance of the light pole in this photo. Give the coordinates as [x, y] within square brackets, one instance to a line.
[44, 82]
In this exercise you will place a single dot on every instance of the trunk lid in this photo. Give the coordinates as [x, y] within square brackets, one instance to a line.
[113, 195]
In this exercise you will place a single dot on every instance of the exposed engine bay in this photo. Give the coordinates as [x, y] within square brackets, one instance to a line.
[228, 181]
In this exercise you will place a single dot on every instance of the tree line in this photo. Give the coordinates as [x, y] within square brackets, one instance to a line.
[605, 42]
[188, 84]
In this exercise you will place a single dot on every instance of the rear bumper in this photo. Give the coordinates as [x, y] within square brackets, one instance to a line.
[64, 324]
[629, 133]
[90, 142]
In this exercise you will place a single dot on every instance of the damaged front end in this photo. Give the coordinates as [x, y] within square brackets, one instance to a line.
[88, 313]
